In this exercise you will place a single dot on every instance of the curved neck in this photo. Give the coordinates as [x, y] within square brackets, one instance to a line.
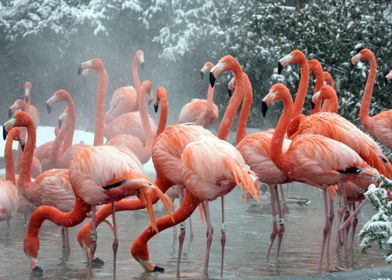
[302, 88]
[232, 107]
[103, 83]
[280, 130]
[135, 76]
[245, 110]
[71, 121]
[146, 151]
[9, 159]
[25, 173]
[162, 117]
[367, 95]
[318, 73]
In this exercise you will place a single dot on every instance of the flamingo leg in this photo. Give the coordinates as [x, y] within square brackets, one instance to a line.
[280, 220]
[354, 225]
[348, 221]
[191, 230]
[115, 240]
[285, 207]
[326, 228]
[181, 236]
[206, 209]
[223, 234]
[330, 219]
[93, 236]
[341, 233]
[65, 238]
[274, 230]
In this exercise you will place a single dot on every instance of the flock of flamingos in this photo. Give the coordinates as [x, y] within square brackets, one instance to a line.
[323, 150]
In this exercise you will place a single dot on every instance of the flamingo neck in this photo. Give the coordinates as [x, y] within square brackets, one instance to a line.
[146, 125]
[232, 107]
[9, 160]
[103, 84]
[245, 110]
[280, 131]
[318, 73]
[367, 96]
[71, 120]
[302, 88]
[136, 78]
[330, 102]
[25, 172]
[42, 213]
[162, 117]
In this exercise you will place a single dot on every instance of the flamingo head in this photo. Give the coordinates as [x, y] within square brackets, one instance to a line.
[226, 63]
[231, 86]
[139, 55]
[143, 188]
[389, 76]
[27, 87]
[315, 66]
[20, 119]
[19, 104]
[295, 57]
[160, 96]
[59, 95]
[362, 55]
[322, 94]
[206, 68]
[277, 92]
[15, 134]
[95, 64]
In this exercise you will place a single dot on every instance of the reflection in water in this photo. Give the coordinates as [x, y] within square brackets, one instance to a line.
[247, 239]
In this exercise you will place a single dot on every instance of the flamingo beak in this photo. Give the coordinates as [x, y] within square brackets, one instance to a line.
[280, 68]
[201, 75]
[142, 66]
[48, 108]
[212, 79]
[59, 123]
[229, 92]
[156, 108]
[80, 70]
[312, 104]
[264, 108]
[5, 133]
[22, 146]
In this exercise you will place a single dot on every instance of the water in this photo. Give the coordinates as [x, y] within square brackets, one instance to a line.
[248, 232]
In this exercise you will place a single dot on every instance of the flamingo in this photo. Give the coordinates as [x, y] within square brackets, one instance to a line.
[9, 195]
[314, 159]
[125, 99]
[203, 112]
[326, 92]
[380, 125]
[316, 68]
[223, 167]
[143, 152]
[98, 175]
[25, 104]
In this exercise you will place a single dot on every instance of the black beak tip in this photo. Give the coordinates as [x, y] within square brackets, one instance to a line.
[9, 113]
[264, 108]
[22, 146]
[156, 108]
[80, 70]
[48, 108]
[5, 133]
[229, 92]
[201, 75]
[312, 104]
[280, 68]
[212, 79]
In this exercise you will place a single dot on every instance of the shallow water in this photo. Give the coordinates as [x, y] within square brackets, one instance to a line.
[248, 232]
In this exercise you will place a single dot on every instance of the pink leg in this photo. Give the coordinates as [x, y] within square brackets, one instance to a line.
[115, 240]
[326, 228]
[280, 221]
[223, 234]
[341, 233]
[92, 260]
[209, 238]
[330, 220]
[181, 236]
[285, 208]
[274, 230]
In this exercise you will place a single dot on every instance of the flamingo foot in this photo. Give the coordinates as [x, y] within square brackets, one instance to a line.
[149, 266]
[37, 271]
[181, 238]
[223, 243]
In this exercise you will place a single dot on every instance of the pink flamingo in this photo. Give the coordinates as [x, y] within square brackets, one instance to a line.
[380, 125]
[326, 92]
[223, 168]
[142, 151]
[203, 112]
[314, 159]
[125, 99]
[98, 175]
[9, 195]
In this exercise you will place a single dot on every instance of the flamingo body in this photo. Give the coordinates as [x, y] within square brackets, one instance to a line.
[197, 111]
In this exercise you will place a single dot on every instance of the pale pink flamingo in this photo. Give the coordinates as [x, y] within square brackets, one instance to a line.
[142, 151]
[314, 159]
[125, 99]
[380, 125]
[98, 175]
[203, 112]
[9, 195]
[223, 167]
